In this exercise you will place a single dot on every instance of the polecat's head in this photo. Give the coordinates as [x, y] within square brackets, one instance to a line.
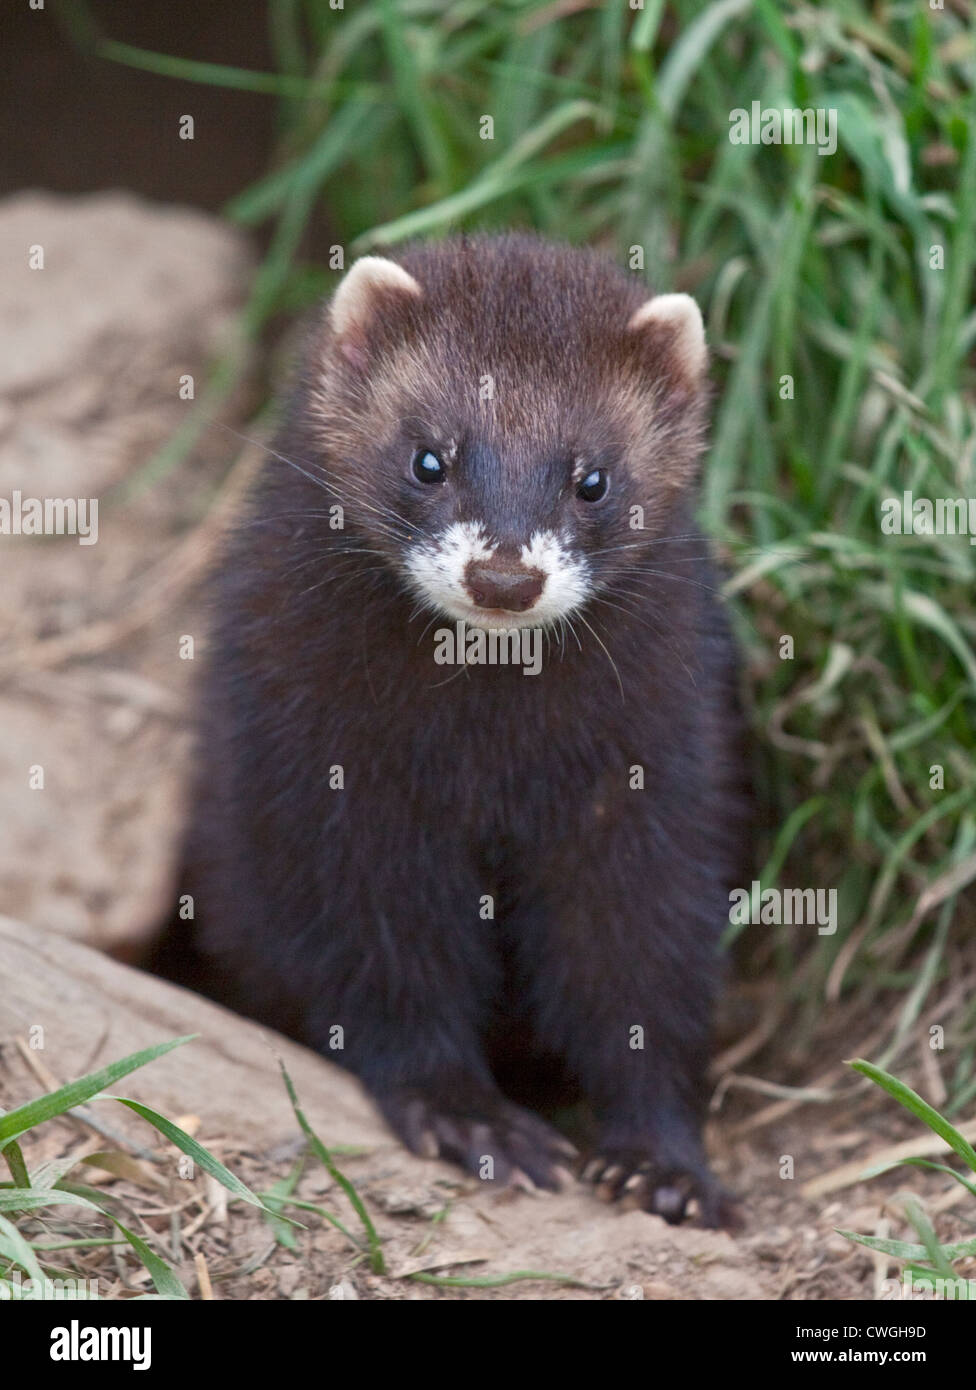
[511, 422]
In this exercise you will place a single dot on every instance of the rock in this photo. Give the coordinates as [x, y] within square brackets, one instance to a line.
[92, 349]
[94, 1010]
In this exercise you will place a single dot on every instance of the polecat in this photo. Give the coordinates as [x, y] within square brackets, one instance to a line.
[446, 876]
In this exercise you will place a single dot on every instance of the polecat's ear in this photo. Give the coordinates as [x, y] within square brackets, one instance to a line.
[672, 324]
[359, 300]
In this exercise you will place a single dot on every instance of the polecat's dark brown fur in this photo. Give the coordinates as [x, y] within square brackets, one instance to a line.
[516, 869]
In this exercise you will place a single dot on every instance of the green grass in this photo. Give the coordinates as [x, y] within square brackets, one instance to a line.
[29, 1194]
[938, 1257]
[611, 128]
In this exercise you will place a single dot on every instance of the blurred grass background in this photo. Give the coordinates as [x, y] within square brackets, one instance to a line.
[611, 127]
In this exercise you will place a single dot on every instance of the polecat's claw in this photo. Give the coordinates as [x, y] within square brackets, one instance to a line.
[475, 1128]
[669, 1190]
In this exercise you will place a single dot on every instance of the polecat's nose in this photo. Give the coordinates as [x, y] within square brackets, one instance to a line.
[508, 587]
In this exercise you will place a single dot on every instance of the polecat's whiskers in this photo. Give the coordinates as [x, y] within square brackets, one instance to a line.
[602, 644]
[344, 584]
[323, 478]
[645, 617]
[643, 572]
[325, 555]
[568, 620]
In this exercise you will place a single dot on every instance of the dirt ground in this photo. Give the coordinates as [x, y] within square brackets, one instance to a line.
[433, 1222]
[95, 692]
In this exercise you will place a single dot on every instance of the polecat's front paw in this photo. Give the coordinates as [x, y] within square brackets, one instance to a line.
[523, 1149]
[667, 1189]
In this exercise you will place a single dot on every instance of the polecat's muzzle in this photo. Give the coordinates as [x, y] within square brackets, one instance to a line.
[507, 586]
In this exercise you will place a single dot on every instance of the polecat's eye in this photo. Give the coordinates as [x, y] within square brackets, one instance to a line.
[594, 487]
[427, 467]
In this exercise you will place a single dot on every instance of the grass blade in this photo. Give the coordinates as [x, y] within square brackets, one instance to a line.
[913, 1102]
[36, 1112]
